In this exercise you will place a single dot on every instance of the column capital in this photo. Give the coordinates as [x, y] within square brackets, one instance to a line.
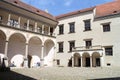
[6, 41]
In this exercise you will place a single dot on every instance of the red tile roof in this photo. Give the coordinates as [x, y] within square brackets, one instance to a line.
[101, 10]
[30, 8]
[108, 9]
[74, 13]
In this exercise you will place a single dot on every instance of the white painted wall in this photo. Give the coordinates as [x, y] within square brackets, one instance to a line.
[99, 37]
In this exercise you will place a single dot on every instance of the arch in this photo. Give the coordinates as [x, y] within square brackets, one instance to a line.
[17, 60]
[86, 59]
[48, 52]
[77, 60]
[17, 43]
[34, 37]
[1, 58]
[35, 61]
[96, 59]
[17, 33]
[2, 41]
[34, 48]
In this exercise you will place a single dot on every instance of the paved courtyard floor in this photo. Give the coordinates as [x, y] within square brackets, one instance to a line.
[61, 73]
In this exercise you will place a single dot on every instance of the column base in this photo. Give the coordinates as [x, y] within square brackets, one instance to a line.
[42, 63]
[26, 63]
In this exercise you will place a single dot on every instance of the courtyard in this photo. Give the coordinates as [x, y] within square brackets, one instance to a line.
[61, 73]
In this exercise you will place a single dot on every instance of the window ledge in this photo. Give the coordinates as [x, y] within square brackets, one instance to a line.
[60, 34]
[71, 32]
[60, 52]
[69, 51]
[87, 30]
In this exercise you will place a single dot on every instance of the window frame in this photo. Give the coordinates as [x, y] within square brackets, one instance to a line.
[72, 27]
[109, 52]
[71, 45]
[61, 29]
[106, 27]
[86, 27]
[60, 47]
[13, 22]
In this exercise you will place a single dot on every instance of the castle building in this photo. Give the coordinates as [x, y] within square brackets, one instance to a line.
[26, 35]
[30, 37]
[89, 37]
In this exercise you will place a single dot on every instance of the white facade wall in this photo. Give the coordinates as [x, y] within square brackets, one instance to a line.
[96, 34]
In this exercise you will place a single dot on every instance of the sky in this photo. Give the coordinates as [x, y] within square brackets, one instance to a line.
[57, 7]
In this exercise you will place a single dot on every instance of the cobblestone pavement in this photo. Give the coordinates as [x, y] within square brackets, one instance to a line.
[65, 73]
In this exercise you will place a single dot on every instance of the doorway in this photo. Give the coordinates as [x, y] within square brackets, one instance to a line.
[88, 62]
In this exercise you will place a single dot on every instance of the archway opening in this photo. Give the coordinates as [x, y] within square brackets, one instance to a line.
[2, 42]
[16, 46]
[29, 60]
[86, 60]
[48, 52]
[34, 48]
[17, 60]
[70, 62]
[77, 60]
[96, 59]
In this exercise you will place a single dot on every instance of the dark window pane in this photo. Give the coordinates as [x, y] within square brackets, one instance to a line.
[72, 27]
[106, 27]
[58, 62]
[71, 45]
[88, 44]
[61, 29]
[31, 28]
[87, 25]
[60, 45]
[109, 51]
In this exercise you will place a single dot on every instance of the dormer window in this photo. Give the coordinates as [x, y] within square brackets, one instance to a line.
[15, 2]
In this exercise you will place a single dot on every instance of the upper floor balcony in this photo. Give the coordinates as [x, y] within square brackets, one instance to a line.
[88, 48]
[16, 21]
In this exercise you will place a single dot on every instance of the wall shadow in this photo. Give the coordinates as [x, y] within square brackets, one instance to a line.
[113, 78]
[10, 75]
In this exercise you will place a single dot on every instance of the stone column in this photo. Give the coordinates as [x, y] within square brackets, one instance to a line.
[81, 62]
[42, 55]
[42, 29]
[26, 54]
[5, 52]
[28, 21]
[49, 31]
[90, 61]
[35, 26]
[19, 19]
[6, 48]
[9, 16]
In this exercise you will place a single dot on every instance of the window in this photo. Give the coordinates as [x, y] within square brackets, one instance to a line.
[60, 46]
[61, 29]
[87, 25]
[13, 23]
[31, 28]
[71, 45]
[106, 27]
[72, 27]
[51, 30]
[108, 51]
[58, 62]
[25, 26]
[39, 29]
[88, 43]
